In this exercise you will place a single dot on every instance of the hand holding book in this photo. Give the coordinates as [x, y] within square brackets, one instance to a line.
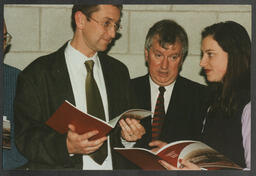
[68, 114]
[80, 144]
[132, 130]
[157, 145]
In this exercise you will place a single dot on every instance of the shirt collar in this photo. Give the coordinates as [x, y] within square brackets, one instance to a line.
[155, 86]
[79, 57]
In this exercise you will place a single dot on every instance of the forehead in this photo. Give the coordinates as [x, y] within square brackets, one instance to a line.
[175, 47]
[209, 43]
[108, 12]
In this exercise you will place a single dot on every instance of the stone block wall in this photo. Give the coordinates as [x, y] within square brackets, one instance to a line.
[41, 29]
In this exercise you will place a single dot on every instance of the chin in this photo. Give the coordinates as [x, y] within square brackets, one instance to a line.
[213, 80]
[102, 48]
[164, 83]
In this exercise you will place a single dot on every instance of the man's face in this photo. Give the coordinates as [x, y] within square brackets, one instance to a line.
[164, 63]
[95, 36]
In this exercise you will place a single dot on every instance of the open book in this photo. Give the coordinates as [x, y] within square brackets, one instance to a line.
[193, 151]
[69, 114]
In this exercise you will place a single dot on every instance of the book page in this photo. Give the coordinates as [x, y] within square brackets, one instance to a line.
[174, 143]
[131, 113]
[197, 153]
[135, 148]
[171, 152]
[206, 157]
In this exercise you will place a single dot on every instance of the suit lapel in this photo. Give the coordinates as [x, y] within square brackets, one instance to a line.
[107, 74]
[174, 96]
[142, 89]
[172, 107]
[147, 93]
[60, 74]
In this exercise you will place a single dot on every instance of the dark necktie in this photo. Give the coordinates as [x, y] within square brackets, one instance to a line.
[95, 108]
[159, 115]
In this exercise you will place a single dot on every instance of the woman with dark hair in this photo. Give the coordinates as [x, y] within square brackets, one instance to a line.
[226, 54]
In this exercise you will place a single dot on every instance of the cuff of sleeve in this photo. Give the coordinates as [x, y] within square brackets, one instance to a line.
[61, 150]
[127, 144]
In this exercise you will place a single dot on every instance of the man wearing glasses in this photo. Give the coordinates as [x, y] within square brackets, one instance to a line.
[11, 157]
[69, 74]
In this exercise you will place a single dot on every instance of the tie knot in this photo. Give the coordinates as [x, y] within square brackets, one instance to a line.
[161, 90]
[89, 65]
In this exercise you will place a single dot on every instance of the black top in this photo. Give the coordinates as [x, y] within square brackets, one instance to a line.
[224, 134]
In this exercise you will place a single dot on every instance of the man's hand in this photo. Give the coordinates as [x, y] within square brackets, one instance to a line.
[157, 145]
[132, 130]
[80, 144]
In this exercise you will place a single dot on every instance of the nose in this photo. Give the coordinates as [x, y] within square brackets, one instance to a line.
[112, 31]
[165, 63]
[203, 61]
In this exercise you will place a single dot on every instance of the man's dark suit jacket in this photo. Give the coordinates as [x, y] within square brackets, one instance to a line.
[41, 89]
[183, 118]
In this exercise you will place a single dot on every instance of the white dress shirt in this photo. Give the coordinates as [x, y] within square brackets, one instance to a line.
[154, 92]
[77, 72]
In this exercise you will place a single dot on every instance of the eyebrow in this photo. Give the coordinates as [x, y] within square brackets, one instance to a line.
[210, 50]
[174, 54]
[156, 50]
[111, 19]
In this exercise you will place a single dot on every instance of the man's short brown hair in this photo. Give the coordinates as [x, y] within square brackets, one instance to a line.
[87, 10]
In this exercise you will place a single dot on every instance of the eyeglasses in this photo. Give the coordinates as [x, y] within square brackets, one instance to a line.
[7, 38]
[107, 25]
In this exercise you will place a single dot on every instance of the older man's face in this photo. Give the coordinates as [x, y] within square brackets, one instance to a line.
[164, 63]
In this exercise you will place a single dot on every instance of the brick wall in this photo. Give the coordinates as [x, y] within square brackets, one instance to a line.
[40, 29]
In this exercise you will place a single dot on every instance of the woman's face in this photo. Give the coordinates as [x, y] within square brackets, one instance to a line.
[214, 60]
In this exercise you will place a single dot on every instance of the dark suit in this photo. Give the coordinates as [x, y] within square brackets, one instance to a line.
[41, 89]
[11, 157]
[183, 118]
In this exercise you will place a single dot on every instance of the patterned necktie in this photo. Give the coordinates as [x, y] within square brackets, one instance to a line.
[95, 108]
[159, 115]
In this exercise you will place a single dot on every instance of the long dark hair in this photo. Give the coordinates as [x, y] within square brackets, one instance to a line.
[233, 39]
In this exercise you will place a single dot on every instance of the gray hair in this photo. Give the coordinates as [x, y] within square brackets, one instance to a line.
[168, 32]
